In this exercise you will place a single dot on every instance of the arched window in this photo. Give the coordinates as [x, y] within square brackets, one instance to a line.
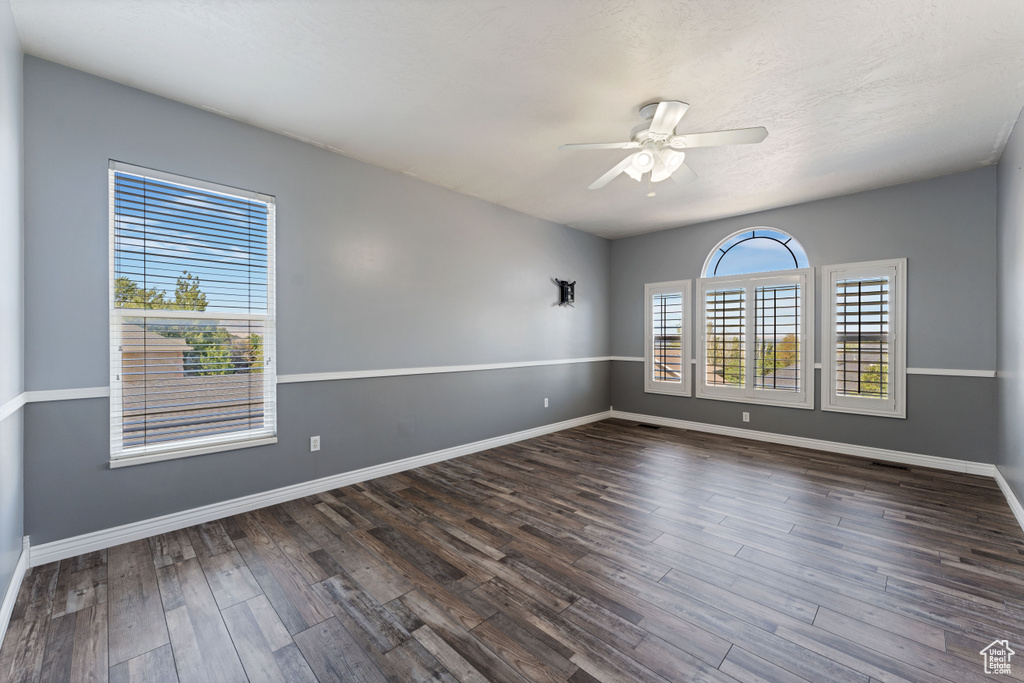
[756, 250]
[756, 335]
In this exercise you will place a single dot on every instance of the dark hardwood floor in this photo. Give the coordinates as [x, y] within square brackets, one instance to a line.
[611, 552]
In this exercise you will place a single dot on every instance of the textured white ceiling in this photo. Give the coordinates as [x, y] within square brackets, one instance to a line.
[476, 95]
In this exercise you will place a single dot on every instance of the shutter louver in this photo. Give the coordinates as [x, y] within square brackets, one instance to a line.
[192, 314]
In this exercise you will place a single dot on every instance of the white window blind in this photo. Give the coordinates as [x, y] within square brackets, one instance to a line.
[864, 370]
[667, 354]
[757, 341]
[192, 315]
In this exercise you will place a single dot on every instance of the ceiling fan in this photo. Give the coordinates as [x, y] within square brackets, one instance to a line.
[659, 147]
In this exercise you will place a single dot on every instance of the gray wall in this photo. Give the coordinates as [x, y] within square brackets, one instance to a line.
[1010, 382]
[376, 270]
[945, 227]
[11, 296]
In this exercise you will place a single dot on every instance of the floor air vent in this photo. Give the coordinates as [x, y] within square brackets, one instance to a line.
[649, 426]
[890, 466]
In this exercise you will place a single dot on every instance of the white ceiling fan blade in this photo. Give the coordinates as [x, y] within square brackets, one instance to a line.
[601, 145]
[684, 175]
[667, 116]
[616, 170]
[741, 136]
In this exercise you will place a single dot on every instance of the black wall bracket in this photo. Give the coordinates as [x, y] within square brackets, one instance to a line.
[566, 292]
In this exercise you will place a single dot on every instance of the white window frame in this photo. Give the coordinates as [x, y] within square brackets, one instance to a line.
[896, 404]
[120, 456]
[652, 386]
[748, 393]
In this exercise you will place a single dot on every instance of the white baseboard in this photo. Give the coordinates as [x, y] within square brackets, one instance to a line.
[11, 594]
[1015, 506]
[883, 454]
[97, 540]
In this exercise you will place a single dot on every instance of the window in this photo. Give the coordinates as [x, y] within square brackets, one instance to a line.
[864, 364]
[667, 346]
[757, 337]
[754, 251]
[192, 365]
[757, 341]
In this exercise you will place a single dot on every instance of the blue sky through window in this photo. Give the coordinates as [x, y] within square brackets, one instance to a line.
[756, 251]
[163, 229]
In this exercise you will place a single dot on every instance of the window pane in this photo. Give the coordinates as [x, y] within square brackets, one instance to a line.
[756, 251]
[182, 248]
[667, 337]
[183, 379]
[862, 337]
[776, 338]
[725, 312]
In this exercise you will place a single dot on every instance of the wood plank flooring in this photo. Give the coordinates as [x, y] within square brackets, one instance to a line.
[612, 552]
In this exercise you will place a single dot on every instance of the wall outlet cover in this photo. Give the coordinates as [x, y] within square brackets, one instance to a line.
[314, 443]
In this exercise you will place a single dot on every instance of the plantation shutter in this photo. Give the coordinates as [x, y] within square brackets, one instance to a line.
[862, 337]
[777, 338]
[192, 315]
[756, 343]
[667, 367]
[725, 312]
[667, 337]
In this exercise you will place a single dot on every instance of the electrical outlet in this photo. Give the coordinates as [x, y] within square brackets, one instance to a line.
[314, 443]
[545, 403]
[746, 417]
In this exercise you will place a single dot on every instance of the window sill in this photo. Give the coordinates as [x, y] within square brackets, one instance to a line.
[899, 413]
[128, 461]
[754, 401]
[667, 392]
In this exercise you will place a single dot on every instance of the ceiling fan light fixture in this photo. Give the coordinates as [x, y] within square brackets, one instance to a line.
[643, 161]
[633, 173]
[671, 159]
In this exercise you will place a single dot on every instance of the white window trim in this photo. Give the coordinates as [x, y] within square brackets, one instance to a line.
[652, 386]
[121, 457]
[748, 393]
[896, 405]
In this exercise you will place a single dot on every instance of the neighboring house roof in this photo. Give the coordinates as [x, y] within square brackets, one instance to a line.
[135, 339]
